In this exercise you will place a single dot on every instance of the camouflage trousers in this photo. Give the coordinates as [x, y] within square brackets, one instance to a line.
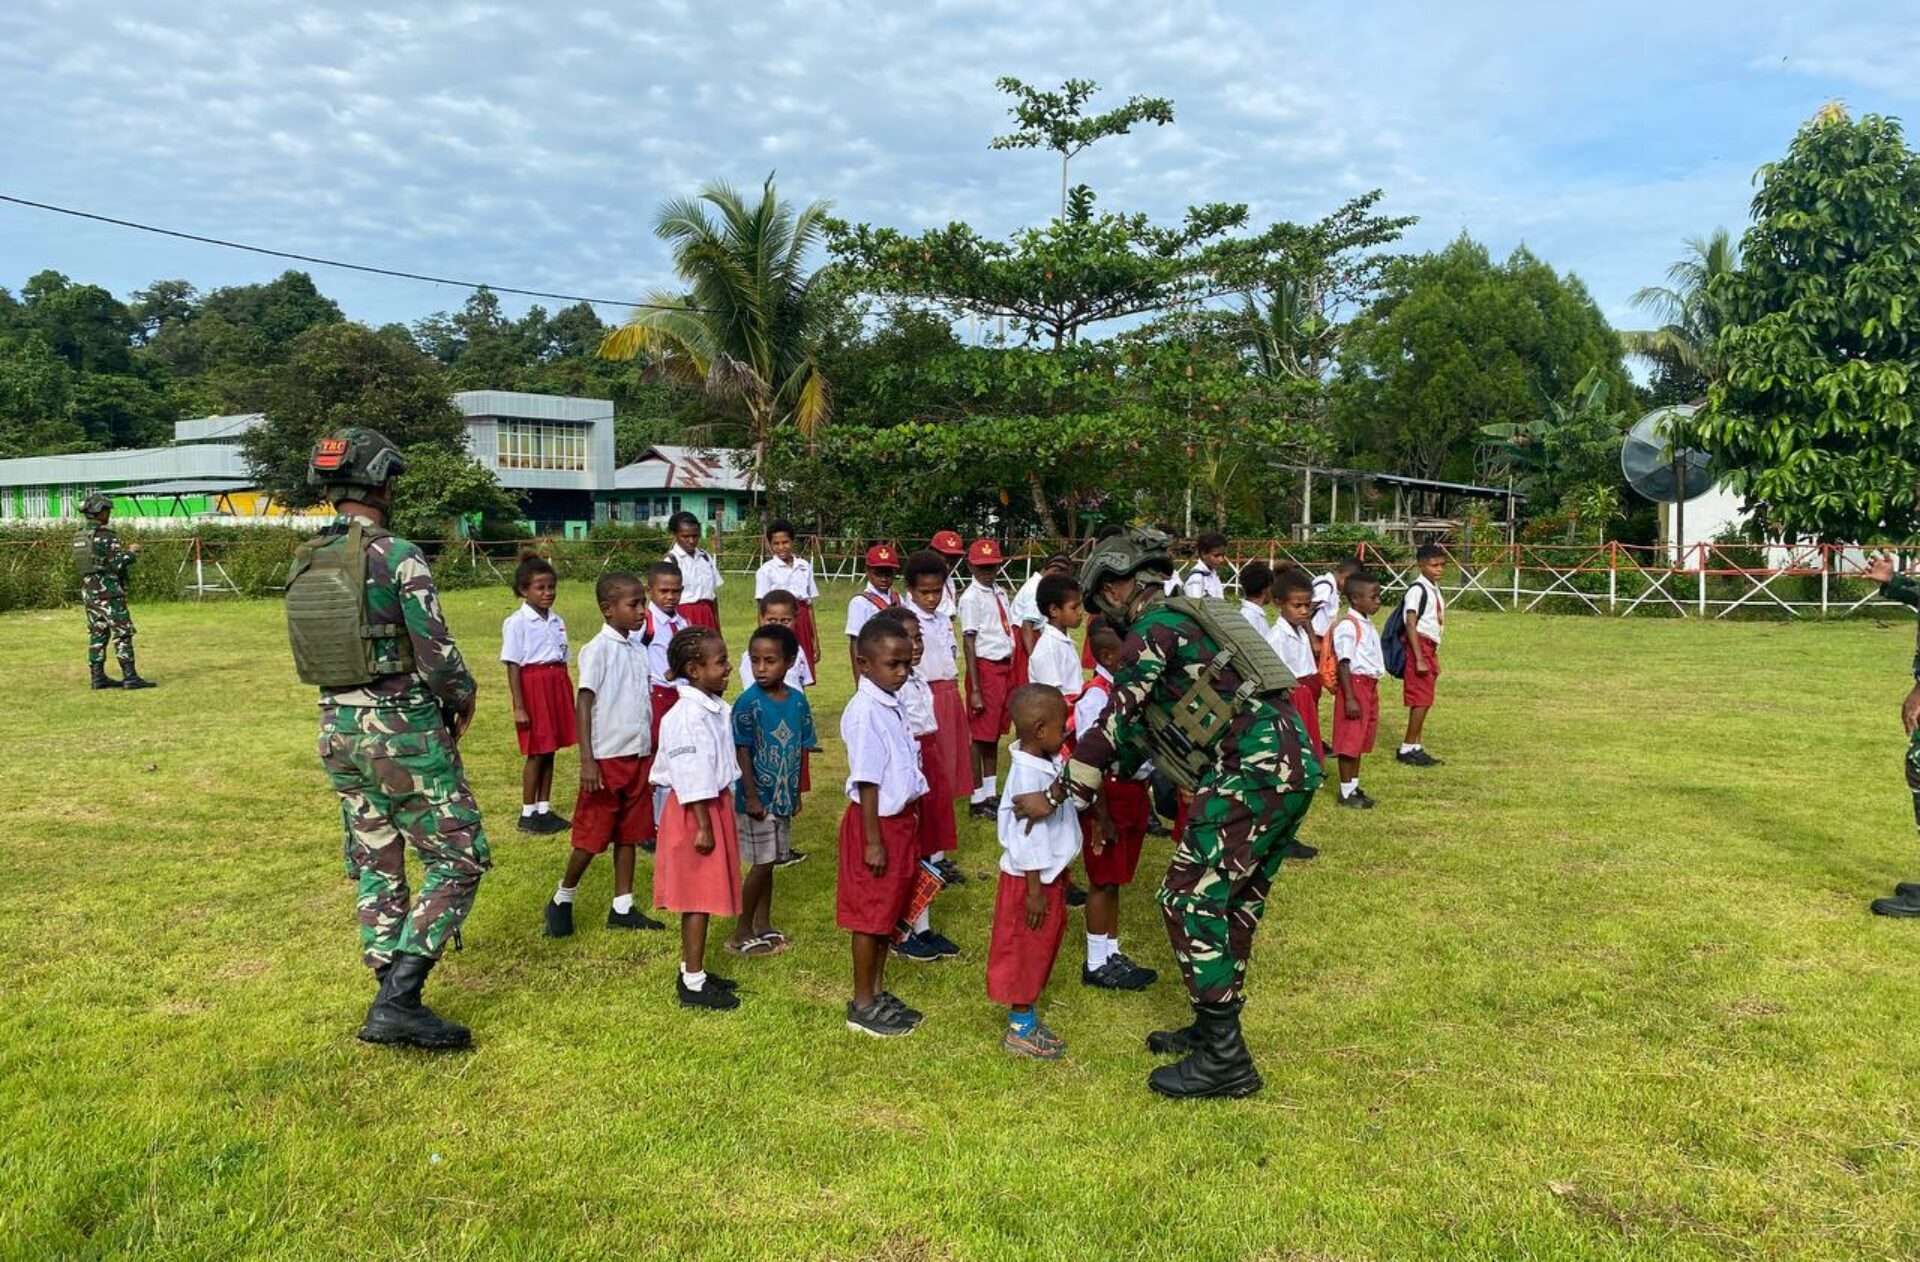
[401, 784]
[1913, 773]
[107, 619]
[1216, 887]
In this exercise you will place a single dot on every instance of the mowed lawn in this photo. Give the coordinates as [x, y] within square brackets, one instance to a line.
[1603, 986]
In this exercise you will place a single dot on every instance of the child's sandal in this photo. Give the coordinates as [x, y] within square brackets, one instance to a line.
[751, 946]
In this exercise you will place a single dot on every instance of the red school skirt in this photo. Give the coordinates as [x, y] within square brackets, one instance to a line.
[1019, 959]
[547, 691]
[951, 734]
[1115, 864]
[1306, 700]
[806, 632]
[701, 613]
[996, 685]
[684, 879]
[937, 831]
[863, 902]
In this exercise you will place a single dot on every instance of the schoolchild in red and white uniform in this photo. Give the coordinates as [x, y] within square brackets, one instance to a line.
[699, 573]
[784, 571]
[987, 647]
[883, 564]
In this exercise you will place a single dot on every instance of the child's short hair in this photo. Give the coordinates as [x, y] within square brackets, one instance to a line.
[689, 646]
[879, 629]
[1058, 560]
[531, 566]
[1212, 541]
[679, 519]
[780, 526]
[1102, 638]
[662, 569]
[612, 583]
[1428, 551]
[922, 563]
[902, 616]
[778, 596]
[1032, 704]
[1256, 577]
[1357, 580]
[1291, 579]
[1348, 565]
[1053, 592]
[774, 633]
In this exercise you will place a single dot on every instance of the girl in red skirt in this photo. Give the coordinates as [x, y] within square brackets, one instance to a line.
[925, 577]
[533, 644]
[696, 869]
[700, 579]
[785, 572]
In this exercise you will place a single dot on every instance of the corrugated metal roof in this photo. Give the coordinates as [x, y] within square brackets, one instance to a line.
[187, 486]
[532, 407]
[142, 464]
[703, 468]
[213, 428]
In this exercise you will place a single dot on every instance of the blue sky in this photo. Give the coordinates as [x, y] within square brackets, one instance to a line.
[530, 145]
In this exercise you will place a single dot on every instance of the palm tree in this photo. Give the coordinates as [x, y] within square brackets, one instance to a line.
[1690, 321]
[747, 325]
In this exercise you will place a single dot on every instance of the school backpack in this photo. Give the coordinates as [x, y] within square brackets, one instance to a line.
[1328, 664]
[1393, 642]
[334, 645]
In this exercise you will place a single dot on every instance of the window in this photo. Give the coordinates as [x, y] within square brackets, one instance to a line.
[542, 445]
[36, 501]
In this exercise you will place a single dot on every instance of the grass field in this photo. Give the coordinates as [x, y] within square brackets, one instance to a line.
[1604, 986]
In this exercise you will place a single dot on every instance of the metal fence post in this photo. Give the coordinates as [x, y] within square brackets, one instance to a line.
[1702, 572]
[1613, 576]
[1826, 569]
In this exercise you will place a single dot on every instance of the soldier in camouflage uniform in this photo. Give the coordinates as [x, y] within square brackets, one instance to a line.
[102, 561]
[1246, 808]
[1903, 588]
[389, 746]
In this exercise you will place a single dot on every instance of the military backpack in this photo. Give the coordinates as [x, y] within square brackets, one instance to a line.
[334, 644]
[1183, 737]
[86, 562]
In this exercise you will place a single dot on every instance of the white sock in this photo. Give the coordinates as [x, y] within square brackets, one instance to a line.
[938, 855]
[991, 789]
[526, 810]
[923, 922]
[563, 895]
[1099, 949]
[623, 903]
[1349, 787]
[1408, 749]
[694, 981]
[541, 808]
[979, 795]
[1113, 945]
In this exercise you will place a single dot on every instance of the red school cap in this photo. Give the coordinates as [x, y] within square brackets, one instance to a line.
[947, 543]
[985, 552]
[881, 556]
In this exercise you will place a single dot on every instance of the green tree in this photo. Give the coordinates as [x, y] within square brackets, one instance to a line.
[347, 374]
[1683, 350]
[1812, 421]
[83, 324]
[441, 487]
[1568, 457]
[36, 398]
[1455, 342]
[224, 352]
[745, 330]
[1057, 121]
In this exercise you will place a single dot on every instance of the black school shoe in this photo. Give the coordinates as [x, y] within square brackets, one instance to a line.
[950, 872]
[1416, 758]
[941, 943]
[915, 947]
[912, 1016]
[879, 1019]
[531, 824]
[988, 809]
[1356, 801]
[716, 998]
[1118, 973]
[559, 919]
[793, 857]
[631, 920]
[1297, 849]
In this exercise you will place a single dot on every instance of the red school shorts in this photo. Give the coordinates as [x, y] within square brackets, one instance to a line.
[938, 831]
[863, 902]
[1019, 959]
[1306, 700]
[1354, 737]
[1128, 803]
[547, 692]
[953, 735]
[996, 685]
[1417, 689]
[700, 613]
[805, 631]
[620, 811]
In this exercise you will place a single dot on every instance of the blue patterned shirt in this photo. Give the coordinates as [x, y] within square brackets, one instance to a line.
[776, 734]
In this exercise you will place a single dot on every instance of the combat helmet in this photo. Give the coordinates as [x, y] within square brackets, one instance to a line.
[95, 504]
[354, 457]
[1122, 556]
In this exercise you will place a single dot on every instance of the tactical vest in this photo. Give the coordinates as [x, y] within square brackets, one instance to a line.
[85, 563]
[333, 643]
[1183, 737]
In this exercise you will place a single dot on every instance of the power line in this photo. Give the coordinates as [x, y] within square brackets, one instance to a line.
[351, 267]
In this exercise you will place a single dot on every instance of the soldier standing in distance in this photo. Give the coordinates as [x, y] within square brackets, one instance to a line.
[1905, 902]
[102, 561]
[395, 696]
[1255, 779]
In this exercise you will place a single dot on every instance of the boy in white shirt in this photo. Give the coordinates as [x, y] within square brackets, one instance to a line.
[986, 644]
[1292, 639]
[883, 563]
[1030, 909]
[1055, 661]
[1256, 594]
[1110, 861]
[1356, 707]
[779, 608]
[700, 578]
[533, 644]
[615, 805]
[1203, 580]
[948, 755]
[1027, 618]
[879, 839]
[1424, 617]
[922, 943]
[1326, 607]
[783, 571]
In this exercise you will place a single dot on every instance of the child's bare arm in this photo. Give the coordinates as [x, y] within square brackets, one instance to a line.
[703, 826]
[749, 791]
[583, 720]
[1347, 697]
[976, 700]
[520, 716]
[1036, 900]
[876, 854]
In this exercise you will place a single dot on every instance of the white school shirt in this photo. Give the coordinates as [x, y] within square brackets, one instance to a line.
[614, 668]
[861, 608]
[794, 576]
[528, 639]
[1255, 614]
[984, 615]
[949, 600]
[699, 573]
[1055, 661]
[1432, 606]
[1092, 706]
[1202, 582]
[1053, 841]
[1326, 602]
[937, 644]
[1356, 641]
[697, 759]
[880, 749]
[1295, 647]
[916, 698]
[1026, 601]
[799, 675]
[664, 627]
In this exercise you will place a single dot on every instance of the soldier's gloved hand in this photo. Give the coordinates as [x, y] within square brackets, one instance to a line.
[463, 716]
[1910, 710]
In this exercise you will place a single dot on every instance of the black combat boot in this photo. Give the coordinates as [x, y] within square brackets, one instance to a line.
[398, 1016]
[130, 677]
[103, 680]
[1218, 1065]
[1172, 1042]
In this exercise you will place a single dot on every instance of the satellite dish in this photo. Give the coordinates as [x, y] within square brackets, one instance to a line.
[1654, 469]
